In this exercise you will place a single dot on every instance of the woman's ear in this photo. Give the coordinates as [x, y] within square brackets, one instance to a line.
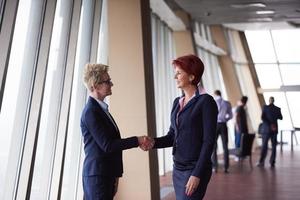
[93, 88]
[191, 78]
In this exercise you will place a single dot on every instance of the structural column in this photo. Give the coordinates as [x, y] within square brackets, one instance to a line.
[183, 39]
[132, 101]
[227, 66]
[229, 72]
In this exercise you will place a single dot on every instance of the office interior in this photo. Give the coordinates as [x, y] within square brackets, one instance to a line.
[248, 48]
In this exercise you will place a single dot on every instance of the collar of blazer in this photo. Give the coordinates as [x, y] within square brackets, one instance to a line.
[175, 114]
[189, 104]
[109, 118]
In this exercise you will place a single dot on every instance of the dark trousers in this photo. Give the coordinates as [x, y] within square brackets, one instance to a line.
[180, 179]
[98, 187]
[264, 150]
[221, 130]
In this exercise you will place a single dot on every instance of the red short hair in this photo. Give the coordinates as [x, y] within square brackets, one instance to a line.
[191, 64]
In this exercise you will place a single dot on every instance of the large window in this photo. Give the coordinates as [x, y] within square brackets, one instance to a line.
[40, 140]
[276, 55]
[212, 78]
[48, 134]
[244, 75]
[14, 112]
[164, 85]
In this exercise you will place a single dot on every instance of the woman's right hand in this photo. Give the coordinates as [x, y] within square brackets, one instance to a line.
[145, 142]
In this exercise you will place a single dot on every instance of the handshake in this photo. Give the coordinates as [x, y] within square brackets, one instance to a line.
[146, 143]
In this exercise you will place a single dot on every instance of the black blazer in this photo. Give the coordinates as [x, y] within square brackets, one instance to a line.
[241, 119]
[270, 115]
[194, 136]
[102, 142]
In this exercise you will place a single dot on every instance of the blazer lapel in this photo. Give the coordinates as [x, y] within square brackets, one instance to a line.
[174, 115]
[191, 102]
[102, 112]
[114, 122]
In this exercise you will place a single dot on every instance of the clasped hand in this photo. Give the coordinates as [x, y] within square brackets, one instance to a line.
[146, 143]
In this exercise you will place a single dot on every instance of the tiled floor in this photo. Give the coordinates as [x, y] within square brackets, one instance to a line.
[244, 183]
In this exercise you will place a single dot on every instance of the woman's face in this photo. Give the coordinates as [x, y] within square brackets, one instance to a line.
[103, 89]
[183, 79]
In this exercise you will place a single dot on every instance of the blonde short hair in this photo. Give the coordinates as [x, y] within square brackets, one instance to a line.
[93, 74]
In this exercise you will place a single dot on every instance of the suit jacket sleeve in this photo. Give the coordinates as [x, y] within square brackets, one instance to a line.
[209, 123]
[167, 140]
[101, 133]
[279, 114]
[264, 116]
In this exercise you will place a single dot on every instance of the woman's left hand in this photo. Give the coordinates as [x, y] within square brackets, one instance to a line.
[192, 185]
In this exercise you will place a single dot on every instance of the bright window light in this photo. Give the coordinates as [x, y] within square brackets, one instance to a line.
[248, 5]
[265, 12]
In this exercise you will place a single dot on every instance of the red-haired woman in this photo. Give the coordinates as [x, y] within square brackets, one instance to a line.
[192, 132]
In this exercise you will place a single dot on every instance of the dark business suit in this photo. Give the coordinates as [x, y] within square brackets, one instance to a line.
[192, 135]
[270, 115]
[103, 152]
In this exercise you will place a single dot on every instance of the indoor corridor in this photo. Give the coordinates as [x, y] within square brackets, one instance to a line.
[247, 49]
[242, 183]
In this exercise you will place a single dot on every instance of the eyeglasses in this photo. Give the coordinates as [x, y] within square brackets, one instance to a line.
[108, 82]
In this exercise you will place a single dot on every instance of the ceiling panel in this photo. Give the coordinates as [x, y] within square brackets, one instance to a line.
[226, 11]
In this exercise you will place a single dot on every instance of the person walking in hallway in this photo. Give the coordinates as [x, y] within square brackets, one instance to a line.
[225, 114]
[270, 115]
[192, 132]
[241, 126]
[103, 145]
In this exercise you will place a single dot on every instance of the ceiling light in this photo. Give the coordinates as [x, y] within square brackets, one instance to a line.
[265, 12]
[265, 19]
[248, 5]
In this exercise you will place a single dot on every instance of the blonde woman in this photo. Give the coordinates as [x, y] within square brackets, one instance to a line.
[102, 141]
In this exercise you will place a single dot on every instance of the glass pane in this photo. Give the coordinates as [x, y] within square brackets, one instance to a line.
[290, 74]
[16, 94]
[163, 74]
[102, 56]
[43, 168]
[207, 78]
[241, 77]
[268, 75]
[287, 45]
[1, 11]
[261, 46]
[71, 185]
[293, 100]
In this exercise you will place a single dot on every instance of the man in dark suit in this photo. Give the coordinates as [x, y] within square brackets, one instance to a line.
[270, 115]
[102, 142]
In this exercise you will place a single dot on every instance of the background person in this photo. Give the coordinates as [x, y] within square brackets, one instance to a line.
[270, 115]
[225, 114]
[241, 126]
